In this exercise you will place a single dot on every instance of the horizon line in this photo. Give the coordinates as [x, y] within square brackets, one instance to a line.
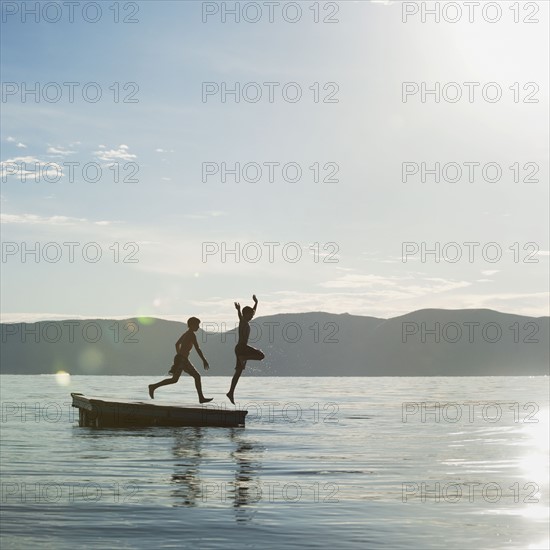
[56, 317]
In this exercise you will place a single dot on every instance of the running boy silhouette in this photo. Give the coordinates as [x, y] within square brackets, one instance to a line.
[243, 351]
[182, 363]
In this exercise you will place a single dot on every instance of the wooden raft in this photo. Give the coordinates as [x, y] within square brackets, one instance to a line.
[99, 413]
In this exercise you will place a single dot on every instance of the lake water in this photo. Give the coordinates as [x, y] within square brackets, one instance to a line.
[321, 463]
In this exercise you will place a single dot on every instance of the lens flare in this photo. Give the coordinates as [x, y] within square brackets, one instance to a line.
[145, 321]
[91, 361]
[62, 378]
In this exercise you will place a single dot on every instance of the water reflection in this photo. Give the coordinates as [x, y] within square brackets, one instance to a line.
[246, 487]
[193, 484]
[187, 450]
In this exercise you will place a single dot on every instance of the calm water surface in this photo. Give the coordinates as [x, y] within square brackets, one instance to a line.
[322, 462]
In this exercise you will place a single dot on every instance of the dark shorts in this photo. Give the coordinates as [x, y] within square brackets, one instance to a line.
[247, 353]
[182, 364]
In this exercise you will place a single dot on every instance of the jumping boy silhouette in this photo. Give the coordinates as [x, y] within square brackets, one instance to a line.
[243, 351]
[182, 363]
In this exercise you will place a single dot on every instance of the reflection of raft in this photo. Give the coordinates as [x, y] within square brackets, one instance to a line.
[100, 413]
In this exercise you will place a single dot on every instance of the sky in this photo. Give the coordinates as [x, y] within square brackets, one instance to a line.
[122, 196]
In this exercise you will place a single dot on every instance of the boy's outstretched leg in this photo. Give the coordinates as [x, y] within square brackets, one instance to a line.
[238, 371]
[198, 385]
[153, 387]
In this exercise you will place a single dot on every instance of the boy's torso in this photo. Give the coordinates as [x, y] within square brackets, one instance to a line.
[244, 333]
[188, 339]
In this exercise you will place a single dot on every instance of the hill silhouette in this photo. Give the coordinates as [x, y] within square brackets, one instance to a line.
[461, 343]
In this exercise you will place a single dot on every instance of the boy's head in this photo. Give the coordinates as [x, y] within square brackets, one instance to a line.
[248, 313]
[193, 323]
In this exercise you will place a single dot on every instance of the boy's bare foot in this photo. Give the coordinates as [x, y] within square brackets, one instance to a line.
[230, 395]
[206, 399]
[151, 391]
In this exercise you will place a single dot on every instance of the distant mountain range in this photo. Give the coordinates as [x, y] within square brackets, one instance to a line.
[428, 342]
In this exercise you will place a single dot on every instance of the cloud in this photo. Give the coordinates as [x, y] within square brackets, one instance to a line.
[35, 219]
[367, 303]
[358, 281]
[36, 317]
[489, 272]
[164, 150]
[30, 168]
[10, 139]
[394, 288]
[112, 155]
[206, 214]
[59, 151]
[218, 309]
[21, 145]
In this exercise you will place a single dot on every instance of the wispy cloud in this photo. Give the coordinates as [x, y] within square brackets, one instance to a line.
[112, 155]
[206, 214]
[30, 168]
[367, 303]
[34, 219]
[216, 309]
[359, 281]
[394, 287]
[36, 317]
[59, 152]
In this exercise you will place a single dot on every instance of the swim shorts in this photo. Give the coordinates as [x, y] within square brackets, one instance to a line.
[182, 364]
[248, 353]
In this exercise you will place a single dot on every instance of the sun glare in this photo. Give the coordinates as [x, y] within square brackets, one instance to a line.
[62, 378]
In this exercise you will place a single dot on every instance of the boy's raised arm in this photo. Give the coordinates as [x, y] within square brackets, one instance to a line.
[238, 308]
[255, 302]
